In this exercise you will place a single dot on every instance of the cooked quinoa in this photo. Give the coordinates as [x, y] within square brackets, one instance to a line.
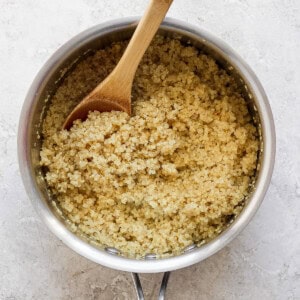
[174, 173]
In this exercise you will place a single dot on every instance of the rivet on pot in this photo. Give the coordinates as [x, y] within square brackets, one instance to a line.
[150, 256]
[112, 250]
[189, 248]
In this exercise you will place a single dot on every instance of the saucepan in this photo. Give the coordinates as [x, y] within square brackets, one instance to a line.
[29, 144]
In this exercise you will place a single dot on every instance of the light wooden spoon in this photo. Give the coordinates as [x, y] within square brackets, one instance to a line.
[114, 92]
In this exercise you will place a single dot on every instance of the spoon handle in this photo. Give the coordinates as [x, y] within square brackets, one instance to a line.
[139, 42]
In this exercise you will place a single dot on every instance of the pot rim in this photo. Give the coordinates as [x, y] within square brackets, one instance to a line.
[163, 264]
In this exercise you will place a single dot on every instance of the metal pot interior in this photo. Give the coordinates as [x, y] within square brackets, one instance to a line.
[64, 60]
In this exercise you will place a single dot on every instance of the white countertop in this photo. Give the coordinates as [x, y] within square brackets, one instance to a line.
[262, 263]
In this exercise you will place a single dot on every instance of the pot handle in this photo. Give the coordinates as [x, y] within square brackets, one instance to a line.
[139, 289]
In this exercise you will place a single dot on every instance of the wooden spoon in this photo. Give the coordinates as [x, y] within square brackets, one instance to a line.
[114, 92]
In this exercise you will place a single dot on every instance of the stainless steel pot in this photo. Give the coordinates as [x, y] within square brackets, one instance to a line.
[33, 112]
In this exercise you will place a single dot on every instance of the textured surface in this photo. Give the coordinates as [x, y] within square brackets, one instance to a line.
[262, 263]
